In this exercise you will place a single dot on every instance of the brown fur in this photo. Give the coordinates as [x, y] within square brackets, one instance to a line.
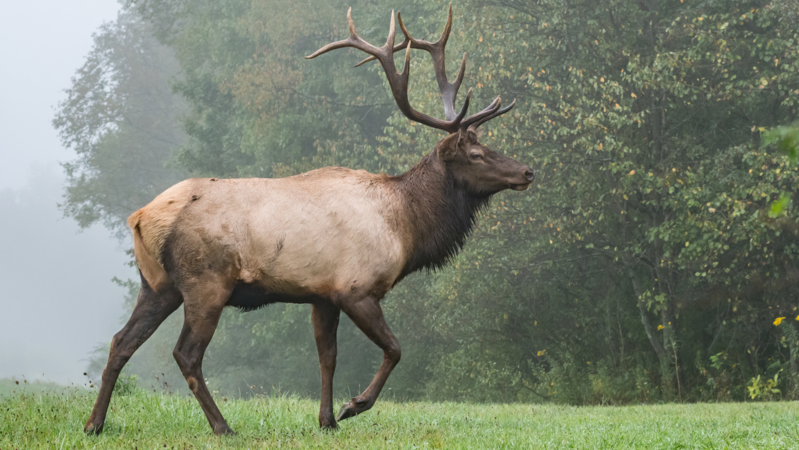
[328, 233]
[336, 238]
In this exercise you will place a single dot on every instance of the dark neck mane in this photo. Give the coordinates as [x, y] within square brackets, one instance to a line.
[439, 213]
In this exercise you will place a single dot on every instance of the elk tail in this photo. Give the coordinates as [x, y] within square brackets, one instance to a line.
[151, 269]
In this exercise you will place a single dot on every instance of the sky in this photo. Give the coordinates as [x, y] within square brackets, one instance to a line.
[58, 301]
[42, 44]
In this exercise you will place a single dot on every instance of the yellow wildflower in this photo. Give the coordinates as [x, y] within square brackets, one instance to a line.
[778, 320]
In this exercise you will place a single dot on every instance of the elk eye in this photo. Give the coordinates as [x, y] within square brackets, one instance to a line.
[475, 156]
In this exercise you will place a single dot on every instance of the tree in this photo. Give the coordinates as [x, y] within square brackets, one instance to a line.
[122, 120]
[632, 110]
[643, 266]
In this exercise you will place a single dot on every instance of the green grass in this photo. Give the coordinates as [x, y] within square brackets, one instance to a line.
[148, 420]
[10, 386]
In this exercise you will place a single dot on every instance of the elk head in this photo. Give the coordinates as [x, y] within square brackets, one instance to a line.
[480, 170]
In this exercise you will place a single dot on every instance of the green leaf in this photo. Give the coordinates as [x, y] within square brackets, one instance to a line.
[779, 207]
[786, 138]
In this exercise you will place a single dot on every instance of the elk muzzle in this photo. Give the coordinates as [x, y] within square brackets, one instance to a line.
[528, 175]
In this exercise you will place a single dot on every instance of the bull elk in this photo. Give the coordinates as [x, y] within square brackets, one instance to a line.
[334, 238]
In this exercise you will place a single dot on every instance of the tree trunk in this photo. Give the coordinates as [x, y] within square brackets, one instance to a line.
[793, 348]
[665, 359]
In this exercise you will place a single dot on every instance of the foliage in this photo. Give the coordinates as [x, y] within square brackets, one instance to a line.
[764, 389]
[787, 141]
[126, 384]
[643, 202]
[786, 138]
[644, 266]
[121, 119]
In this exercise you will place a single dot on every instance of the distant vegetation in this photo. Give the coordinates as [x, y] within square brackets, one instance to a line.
[646, 264]
[13, 387]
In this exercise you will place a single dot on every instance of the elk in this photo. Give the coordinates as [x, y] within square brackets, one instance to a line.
[334, 238]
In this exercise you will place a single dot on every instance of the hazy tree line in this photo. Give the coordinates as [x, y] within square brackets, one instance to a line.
[643, 266]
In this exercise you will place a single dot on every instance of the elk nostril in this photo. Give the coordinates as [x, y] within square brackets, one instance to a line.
[529, 174]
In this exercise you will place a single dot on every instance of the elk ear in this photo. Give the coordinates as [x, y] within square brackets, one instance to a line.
[448, 147]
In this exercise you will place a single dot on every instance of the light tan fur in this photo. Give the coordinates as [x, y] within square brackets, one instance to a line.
[327, 232]
[151, 225]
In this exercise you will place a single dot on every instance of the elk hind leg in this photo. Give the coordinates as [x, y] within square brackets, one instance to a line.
[368, 317]
[151, 309]
[203, 307]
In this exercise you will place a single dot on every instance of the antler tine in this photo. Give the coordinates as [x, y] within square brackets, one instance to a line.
[447, 28]
[498, 112]
[478, 117]
[399, 46]
[400, 90]
[464, 108]
[437, 51]
[354, 40]
[388, 48]
[449, 91]
[399, 81]
[351, 23]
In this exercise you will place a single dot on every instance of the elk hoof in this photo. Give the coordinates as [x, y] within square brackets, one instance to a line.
[93, 429]
[327, 422]
[352, 408]
[329, 425]
[224, 430]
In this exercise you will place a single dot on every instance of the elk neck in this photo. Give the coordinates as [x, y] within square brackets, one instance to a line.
[437, 215]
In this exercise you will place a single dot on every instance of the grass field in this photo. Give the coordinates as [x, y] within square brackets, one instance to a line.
[147, 420]
[10, 386]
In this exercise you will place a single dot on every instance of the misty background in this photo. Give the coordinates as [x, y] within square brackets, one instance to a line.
[58, 301]
[645, 264]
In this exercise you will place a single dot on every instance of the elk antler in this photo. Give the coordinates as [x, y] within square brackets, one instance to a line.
[399, 81]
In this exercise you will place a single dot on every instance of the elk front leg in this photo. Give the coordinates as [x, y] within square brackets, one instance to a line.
[368, 316]
[325, 323]
[151, 309]
[202, 306]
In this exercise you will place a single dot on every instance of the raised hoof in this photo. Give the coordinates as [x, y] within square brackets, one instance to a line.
[352, 408]
[93, 429]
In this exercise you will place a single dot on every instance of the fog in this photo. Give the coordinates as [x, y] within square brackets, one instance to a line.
[642, 266]
[42, 43]
[58, 300]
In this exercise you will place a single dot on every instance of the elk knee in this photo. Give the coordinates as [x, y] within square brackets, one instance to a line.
[393, 353]
[119, 354]
[180, 359]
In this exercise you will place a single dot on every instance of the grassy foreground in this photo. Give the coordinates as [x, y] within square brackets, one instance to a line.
[147, 421]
